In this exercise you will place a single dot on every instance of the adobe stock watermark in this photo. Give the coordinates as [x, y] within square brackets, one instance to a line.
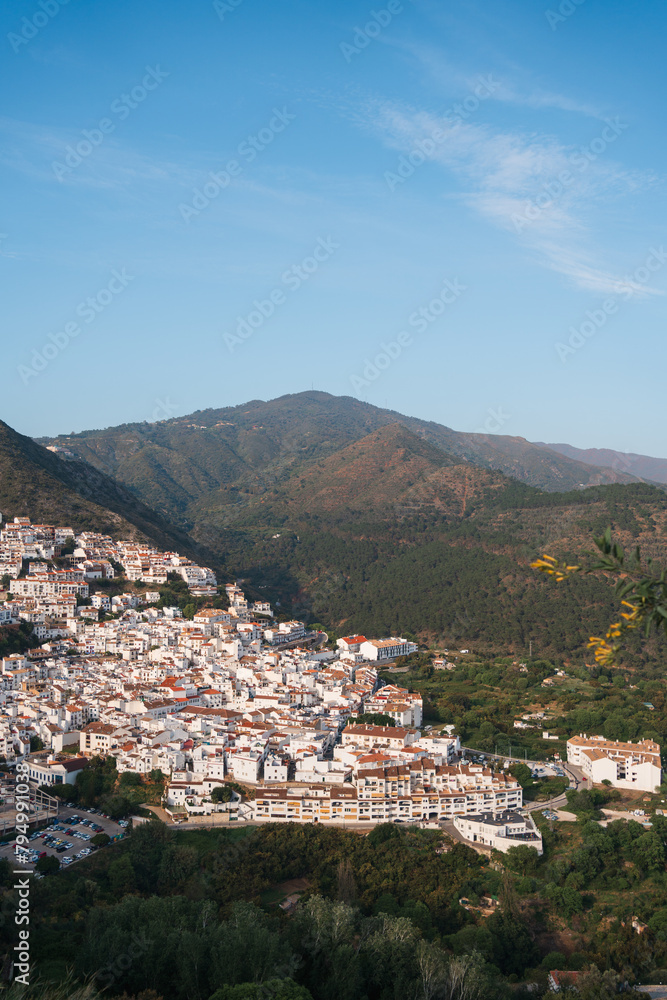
[419, 321]
[164, 409]
[495, 420]
[364, 35]
[426, 148]
[626, 288]
[222, 7]
[564, 10]
[552, 190]
[21, 951]
[246, 151]
[107, 977]
[88, 310]
[31, 26]
[292, 279]
[121, 107]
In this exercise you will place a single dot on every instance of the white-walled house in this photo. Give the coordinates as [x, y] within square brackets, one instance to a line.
[500, 831]
[386, 649]
[625, 765]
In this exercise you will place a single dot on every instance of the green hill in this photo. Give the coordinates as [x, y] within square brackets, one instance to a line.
[38, 484]
[364, 519]
[243, 450]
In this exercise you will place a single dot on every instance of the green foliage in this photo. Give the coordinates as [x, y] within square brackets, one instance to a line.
[48, 865]
[523, 775]
[223, 793]
[272, 989]
[523, 860]
[17, 639]
[130, 779]
[587, 802]
[372, 719]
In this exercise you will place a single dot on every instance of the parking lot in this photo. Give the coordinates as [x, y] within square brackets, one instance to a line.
[67, 838]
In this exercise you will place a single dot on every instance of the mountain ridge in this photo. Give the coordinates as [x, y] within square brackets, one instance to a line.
[644, 467]
[175, 464]
[362, 518]
[38, 484]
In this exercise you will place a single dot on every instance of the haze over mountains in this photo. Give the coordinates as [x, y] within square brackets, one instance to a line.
[641, 466]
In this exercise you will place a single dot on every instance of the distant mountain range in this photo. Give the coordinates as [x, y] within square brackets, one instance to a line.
[223, 457]
[641, 466]
[356, 516]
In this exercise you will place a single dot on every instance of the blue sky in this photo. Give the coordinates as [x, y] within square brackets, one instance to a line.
[208, 203]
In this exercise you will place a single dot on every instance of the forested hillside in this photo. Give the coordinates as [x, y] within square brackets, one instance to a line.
[363, 519]
[448, 574]
[36, 483]
[230, 454]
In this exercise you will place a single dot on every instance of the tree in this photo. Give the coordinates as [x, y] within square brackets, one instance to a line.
[121, 875]
[641, 592]
[464, 978]
[36, 744]
[116, 806]
[522, 859]
[223, 793]
[383, 832]
[523, 775]
[100, 840]
[658, 924]
[347, 889]
[47, 865]
[271, 989]
[372, 719]
[130, 779]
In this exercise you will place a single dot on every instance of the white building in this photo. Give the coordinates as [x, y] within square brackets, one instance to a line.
[625, 765]
[245, 765]
[500, 831]
[55, 772]
[285, 632]
[386, 649]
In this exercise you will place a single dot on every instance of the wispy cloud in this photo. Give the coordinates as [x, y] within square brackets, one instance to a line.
[513, 84]
[32, 149]
[539, 189]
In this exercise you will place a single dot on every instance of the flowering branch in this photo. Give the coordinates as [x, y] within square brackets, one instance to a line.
[642, 593]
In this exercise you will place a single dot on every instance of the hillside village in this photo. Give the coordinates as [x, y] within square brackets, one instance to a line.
[231, 697]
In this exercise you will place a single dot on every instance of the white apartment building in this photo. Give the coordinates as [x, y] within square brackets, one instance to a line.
[285, 632]
[500, 831]
[625, 765]
[386, 649]
[363, 735]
